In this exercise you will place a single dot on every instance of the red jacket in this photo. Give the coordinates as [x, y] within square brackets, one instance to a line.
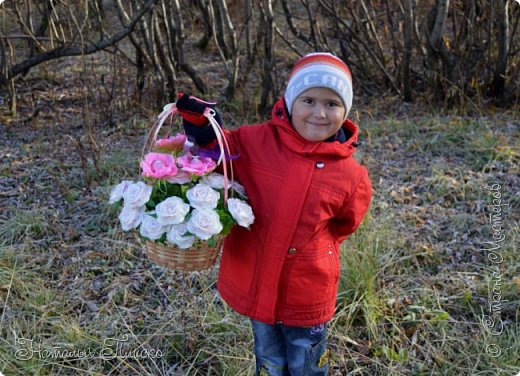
[307, 197]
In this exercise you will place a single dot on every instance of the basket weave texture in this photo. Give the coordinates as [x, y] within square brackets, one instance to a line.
[200, 257]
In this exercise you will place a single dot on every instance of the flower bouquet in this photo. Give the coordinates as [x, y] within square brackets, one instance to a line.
[181, 206]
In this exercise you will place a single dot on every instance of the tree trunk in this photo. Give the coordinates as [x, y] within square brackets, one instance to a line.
[289, 19]
[407, 51]
[437, 39]
[165, 58]
[178, 41]
[234, 52]
[220, 32]
[267, 80]
[497, 87]
[140, 73]
[248, 8]
[202, 43]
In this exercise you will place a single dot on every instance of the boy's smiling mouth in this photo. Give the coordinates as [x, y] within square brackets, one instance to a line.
[319, 125]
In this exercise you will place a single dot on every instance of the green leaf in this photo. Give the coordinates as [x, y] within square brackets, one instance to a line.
[150, 205]
[184, 188]
[118, 205]
[162, 239]
[227, 221]
[173, 190]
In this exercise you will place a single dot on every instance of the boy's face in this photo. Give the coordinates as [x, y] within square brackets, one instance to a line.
[318, 114]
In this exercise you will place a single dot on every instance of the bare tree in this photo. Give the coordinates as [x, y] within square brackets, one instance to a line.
[233, 52]
[392, 46]
[207, 30]
[177, 37]
[503, 48]
[289, 17]
[407, 50]
[68, 47]
[361, 39]
[268, 58]
[436, 41]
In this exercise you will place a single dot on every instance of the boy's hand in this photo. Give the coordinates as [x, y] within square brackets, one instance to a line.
[195, 123]
[192, 109]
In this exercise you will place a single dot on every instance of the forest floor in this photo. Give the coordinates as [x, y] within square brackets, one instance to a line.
[430, 282]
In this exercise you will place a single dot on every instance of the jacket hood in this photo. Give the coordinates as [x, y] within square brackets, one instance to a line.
[292, 139]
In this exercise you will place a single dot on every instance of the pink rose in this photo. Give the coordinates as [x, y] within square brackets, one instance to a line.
[174, 144]
[158, 166]
[196, 165]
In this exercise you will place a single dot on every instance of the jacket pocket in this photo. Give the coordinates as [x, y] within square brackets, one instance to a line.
[238, 265]
[312, 277]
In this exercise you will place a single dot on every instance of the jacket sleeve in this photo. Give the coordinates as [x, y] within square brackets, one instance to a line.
[354, 208]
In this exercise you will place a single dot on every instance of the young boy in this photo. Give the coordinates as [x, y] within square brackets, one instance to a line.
[308, 194]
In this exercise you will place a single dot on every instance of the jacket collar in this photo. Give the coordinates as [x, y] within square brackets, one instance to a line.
[292, 139]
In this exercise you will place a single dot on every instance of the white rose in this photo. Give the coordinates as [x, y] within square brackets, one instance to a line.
[177, 235]
[151, 228]
[239, 188]
[203, 197]
[241, 212]
[171, 211]
[204, 224]
[137, 194]
[131, 217]
[214, 180]
[116, 193]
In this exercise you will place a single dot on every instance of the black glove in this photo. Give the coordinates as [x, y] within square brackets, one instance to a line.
[192, 109]
[195, 123]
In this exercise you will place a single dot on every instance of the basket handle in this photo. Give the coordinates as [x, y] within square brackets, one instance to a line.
[210, 113]
[169, 111]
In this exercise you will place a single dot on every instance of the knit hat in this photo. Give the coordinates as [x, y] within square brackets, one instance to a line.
[319, 70]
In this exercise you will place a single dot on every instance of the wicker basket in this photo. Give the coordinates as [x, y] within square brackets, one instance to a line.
[200, 257]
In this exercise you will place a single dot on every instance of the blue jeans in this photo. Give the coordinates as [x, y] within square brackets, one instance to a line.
[282, 350]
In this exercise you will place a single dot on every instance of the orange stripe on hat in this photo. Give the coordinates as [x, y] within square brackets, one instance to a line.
[320, 58]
